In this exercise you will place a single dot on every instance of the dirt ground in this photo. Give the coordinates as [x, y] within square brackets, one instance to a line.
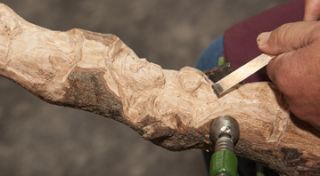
[38, 139]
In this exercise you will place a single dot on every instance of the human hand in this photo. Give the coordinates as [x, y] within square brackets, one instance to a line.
[295, 69]
[312, 10]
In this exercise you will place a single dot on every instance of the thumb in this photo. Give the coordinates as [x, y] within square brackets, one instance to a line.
[312, 10]
[288, 37]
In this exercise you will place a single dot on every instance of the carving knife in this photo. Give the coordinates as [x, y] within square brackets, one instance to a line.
[226, 83]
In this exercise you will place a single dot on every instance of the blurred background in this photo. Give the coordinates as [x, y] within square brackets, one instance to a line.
[38, 139]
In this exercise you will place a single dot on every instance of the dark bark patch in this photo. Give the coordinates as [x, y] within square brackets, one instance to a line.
[160, 134]
[290, 153]
[88, 90]
[180, 138]
[292, 157]
[216, 73]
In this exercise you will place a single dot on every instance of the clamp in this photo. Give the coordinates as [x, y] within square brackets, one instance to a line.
[224, 134]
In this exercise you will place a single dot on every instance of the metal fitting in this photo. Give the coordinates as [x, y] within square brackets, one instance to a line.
[224, 132]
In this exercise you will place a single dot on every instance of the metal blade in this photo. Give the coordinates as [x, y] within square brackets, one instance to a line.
[234, 78]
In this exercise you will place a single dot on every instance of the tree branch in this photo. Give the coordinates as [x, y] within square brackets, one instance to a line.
[99, 73]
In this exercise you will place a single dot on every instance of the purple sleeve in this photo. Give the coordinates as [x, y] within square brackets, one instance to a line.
[240, 40]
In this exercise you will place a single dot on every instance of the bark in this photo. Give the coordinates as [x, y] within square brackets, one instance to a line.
[99, 73]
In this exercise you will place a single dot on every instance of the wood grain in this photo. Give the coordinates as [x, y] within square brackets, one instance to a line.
[99, 73]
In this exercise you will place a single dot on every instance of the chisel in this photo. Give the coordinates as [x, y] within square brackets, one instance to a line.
[226, 83]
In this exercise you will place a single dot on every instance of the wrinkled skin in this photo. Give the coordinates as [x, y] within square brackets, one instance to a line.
[295, 69]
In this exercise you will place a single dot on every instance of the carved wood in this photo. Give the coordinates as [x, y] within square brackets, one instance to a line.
[99, 73]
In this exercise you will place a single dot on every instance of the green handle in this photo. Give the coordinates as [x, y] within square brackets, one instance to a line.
[223, 162]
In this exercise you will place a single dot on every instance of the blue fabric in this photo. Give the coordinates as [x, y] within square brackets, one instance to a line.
[210, 56]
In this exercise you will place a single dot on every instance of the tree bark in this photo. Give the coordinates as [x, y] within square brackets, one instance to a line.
[99, 73]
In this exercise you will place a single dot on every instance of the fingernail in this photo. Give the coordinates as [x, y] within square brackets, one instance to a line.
[262, 39]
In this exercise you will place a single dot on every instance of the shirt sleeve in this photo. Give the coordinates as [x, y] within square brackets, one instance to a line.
[240, 40]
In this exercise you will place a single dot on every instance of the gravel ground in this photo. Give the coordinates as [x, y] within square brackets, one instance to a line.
[37, 138]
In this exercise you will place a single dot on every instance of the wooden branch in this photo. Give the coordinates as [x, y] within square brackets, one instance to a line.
[99, 73]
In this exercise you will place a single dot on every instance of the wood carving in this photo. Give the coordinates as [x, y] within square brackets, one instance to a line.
[99, 73]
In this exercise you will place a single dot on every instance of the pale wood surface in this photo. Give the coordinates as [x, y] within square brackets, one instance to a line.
[99, 73]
